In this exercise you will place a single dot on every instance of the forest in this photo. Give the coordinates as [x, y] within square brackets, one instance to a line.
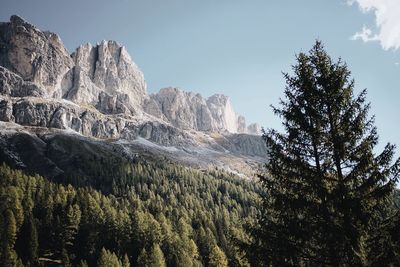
[327, 196]
[155, 215]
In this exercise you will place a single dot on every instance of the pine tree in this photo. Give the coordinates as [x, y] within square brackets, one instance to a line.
[108, 259]
[143, 257]
[9, 256]
[125, 261]
[33, 244]
[27, 243]
[217, 258]
[72, 220]
[83, 263]
[65, 258]
[152, 258]
[325, 187]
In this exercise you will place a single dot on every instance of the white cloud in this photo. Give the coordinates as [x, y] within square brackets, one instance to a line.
[365, 35]
[387, 22]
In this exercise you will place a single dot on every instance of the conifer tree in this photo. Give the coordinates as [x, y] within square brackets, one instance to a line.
[108, 259]
[83, 263]
[217, 258]
[65, 258]
[125, 261]
[9, 256]
[27, 243]
[326, 189]
[32, 244]
[152, 258]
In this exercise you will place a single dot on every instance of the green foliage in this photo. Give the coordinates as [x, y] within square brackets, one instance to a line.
[217, 258]
[9, 234]
[83, 263]
[175, 213]
[108, 259]
[153, 258]
[125, 261]
[27, 242]
[327, 194]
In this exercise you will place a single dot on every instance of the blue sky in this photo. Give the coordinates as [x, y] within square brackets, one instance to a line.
[237, 47]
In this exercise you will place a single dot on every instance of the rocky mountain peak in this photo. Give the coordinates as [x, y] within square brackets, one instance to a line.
[106, 77]
[187, 110]
[98, 91]
[101, 77]
[35, 56]
[223, 113]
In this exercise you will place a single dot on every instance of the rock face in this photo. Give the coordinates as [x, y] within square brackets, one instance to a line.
[184, 110]
[223, 113]
[254, 129]
[39, 112]
[35, 56]
[190, 111]
[98, 91]
[13, 85]
[245, 144]
[106, 77]
[36, 63]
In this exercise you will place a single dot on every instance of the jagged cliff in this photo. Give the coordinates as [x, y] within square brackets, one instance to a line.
[187, 110]
[98, 91]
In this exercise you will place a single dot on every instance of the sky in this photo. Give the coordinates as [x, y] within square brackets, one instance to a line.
[238, 47]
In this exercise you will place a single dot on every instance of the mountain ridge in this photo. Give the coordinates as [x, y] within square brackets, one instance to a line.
[98, 91]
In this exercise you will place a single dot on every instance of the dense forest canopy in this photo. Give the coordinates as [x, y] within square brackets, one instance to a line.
[152, 215]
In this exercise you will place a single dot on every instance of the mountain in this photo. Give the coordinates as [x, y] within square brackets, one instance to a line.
[98, 95]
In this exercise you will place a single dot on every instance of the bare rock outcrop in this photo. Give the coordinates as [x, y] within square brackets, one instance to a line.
[254, 129]
[37, 112]
[184, 110]
[190, 111]
[106, 77]
[35, 56]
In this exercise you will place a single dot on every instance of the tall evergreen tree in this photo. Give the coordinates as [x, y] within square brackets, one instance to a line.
[27, 242]
[325, 187]
[108, 259]
[125, 261]
[152, 258]
[217, 258]
[8, 255]
[83, 263]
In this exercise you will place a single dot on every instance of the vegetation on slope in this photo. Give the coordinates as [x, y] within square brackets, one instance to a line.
[155, 215]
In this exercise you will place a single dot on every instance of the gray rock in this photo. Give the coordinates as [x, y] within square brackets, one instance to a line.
[112, 104]
[82, 90]
[222, 112]
[254, 129]
[241, 124]
[184, 110]
[13, 85]
[245, 144]
[52, 114]
[107, 71]
[189, 111]
[34, 55]
[152, 107]
[6, 110]
[159, 133]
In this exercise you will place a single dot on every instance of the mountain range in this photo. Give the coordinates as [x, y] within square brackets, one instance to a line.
[97, 96]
